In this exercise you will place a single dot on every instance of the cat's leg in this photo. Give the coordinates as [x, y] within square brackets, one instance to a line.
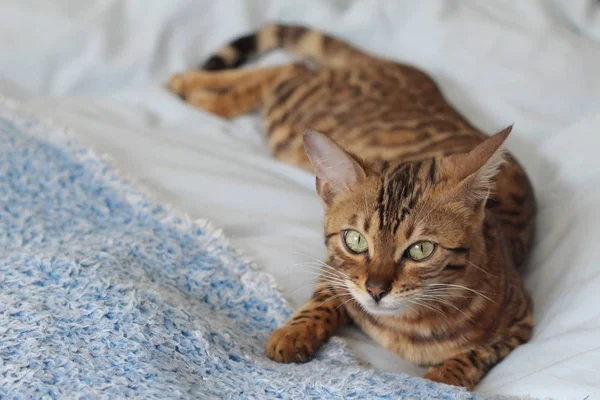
[230, 93]
[193, 80]
[468, 369]
[310, 327]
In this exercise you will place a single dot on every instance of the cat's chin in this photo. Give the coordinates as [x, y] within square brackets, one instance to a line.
[384, 311]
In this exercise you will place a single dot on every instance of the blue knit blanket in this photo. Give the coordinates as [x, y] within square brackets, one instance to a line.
[106, 294]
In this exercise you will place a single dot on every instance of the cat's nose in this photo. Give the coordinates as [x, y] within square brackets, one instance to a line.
[378, 289]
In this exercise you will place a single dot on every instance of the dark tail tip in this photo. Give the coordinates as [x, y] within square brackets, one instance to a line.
[214, 63]
[239, 51]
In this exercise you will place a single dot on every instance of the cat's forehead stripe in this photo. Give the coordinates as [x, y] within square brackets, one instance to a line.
[401, 189]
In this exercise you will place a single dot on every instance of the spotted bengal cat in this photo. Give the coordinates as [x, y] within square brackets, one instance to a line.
[427, 223]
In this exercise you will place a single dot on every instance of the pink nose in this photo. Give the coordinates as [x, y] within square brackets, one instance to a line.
[377, 290]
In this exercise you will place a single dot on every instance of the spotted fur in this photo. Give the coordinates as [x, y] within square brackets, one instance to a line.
[397, 163]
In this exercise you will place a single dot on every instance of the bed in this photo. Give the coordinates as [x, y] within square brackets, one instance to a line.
[100, 67]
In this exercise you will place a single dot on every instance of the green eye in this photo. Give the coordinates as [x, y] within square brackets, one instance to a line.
[355, 242]
[420, 251]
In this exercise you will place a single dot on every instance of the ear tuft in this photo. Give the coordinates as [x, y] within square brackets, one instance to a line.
[337, 171]
[477, 169]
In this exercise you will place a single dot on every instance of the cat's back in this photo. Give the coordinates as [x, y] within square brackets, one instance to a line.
[379, 110]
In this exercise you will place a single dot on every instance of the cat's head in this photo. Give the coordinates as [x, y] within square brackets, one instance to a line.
[393, 231]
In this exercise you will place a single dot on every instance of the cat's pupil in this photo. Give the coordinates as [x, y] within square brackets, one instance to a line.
[355, 241]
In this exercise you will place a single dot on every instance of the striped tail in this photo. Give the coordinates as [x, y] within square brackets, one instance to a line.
[301, 41]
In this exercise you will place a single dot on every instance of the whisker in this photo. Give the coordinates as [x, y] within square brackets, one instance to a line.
[337, 296]
[328, 279]
[412, 309]
[331, 299]
[462, 287]
[450, 305]
[440, 314]
[322, 263]
[445, 292]
[481, 269]
[336, 286]
[347, 301]
[324, 274]
[333, 284]
[312, 264]
[313, 267]
[428, 306]
[301, 288]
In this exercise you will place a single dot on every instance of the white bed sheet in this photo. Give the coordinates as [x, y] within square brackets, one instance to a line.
[100, 66]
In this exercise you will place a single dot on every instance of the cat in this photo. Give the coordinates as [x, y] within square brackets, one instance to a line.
[428, 221]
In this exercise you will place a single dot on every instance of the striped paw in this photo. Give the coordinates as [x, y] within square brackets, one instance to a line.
[292, 344]
[445, 373]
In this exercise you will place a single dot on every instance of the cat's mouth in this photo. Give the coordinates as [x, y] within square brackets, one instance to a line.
[387, 306]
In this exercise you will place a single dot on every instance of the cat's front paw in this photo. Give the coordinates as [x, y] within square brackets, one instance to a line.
[292, 344]
[450, 376]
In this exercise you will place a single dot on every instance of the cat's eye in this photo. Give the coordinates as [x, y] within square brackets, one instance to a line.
[420, 251]
[355, 241]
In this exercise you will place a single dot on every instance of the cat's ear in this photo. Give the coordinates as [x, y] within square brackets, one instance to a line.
[337, 171]
[477, 169]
